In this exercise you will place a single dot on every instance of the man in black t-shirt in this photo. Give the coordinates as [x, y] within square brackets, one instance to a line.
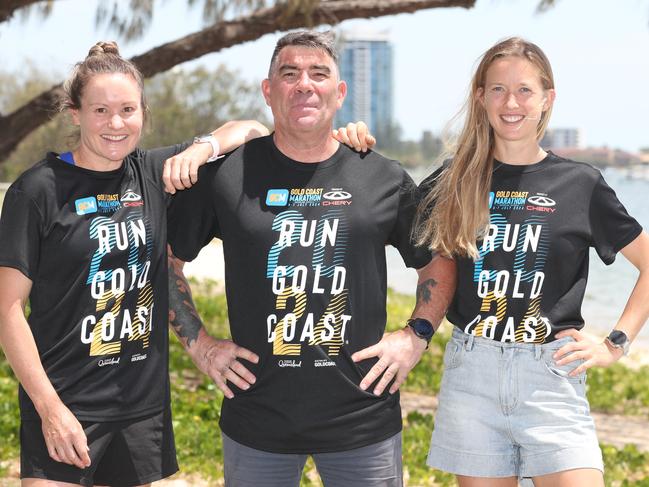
[304, 223]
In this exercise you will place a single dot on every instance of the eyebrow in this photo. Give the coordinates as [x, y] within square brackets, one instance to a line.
[313, 67]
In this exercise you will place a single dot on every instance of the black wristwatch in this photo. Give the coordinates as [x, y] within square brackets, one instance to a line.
[618, 339]
[422, 328]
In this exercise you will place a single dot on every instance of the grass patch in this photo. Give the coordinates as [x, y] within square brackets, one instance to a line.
[9, 415]
[619, 389]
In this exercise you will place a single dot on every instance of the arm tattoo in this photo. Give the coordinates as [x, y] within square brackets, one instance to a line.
[183, 316]
[424, 290]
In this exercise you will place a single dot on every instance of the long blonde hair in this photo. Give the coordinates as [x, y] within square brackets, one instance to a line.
[454, 214]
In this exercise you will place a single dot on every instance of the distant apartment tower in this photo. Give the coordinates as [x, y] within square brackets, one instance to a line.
[366, 65]
[571, 138]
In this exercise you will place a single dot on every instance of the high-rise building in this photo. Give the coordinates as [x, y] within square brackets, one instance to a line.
[366, 65]
[569, 138]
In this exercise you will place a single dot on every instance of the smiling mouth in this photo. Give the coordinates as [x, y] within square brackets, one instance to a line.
[512, 118]
[114, 138]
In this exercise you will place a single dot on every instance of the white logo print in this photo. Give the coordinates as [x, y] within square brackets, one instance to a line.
[130, 195]
[541, 200]
[337, 194]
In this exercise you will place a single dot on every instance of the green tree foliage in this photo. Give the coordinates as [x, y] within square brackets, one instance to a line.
[187, 103]
[183, 103]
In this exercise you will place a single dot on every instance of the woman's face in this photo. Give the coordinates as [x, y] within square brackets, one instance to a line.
[110, 120]
[514, 99]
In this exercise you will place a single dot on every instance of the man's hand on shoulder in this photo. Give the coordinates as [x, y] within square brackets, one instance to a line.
[398, 352]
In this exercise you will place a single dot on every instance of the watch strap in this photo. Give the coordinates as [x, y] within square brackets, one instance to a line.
[619, 339]
[422, 328]
[210, 139]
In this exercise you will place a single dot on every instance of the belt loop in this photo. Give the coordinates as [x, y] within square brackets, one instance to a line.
[538, 351]
[468, 344]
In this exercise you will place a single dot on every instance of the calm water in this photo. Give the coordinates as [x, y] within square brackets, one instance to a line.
[608, 286]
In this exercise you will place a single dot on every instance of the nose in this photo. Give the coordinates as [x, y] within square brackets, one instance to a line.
[511, 101]
[303, 84]
[116, 121]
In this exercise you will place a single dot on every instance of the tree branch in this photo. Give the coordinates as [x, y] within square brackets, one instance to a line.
[15, 126]
[8, 7]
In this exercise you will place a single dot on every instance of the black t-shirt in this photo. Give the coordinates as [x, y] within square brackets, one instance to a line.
[529, 281]
[94, 246]
[304, 247]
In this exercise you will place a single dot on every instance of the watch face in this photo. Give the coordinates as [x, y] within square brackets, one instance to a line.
[423, 328]
[618, 338]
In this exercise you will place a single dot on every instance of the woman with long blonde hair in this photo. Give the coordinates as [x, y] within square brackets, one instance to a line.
[520, 221]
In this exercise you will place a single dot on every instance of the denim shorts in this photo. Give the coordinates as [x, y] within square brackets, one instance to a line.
[506, 409]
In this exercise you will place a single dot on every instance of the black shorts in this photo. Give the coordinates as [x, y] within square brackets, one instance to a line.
[122, 453]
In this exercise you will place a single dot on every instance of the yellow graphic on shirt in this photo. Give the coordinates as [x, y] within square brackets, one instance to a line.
[105, 327]
[142, 329]
[487, 326]
[330, 329]
[285, 329]
[534, 327]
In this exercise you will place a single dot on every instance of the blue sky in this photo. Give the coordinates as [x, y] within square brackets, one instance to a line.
[599, 51]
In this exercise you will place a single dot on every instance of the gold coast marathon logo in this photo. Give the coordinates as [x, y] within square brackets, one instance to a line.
[308, 197]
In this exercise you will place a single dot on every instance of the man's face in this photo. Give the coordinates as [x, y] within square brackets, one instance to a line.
[303, 90]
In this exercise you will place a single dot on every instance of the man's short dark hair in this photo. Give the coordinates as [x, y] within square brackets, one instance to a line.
[306, 38]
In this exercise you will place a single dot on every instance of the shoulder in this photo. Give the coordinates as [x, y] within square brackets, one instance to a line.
[583, 170]
[159, 154]
[372, 160]
[39, 178]
[155, 157]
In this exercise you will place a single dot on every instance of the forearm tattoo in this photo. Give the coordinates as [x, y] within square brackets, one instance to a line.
[424, 290]
[183, 316]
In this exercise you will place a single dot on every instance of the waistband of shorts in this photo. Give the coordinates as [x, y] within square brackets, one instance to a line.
[469, 341]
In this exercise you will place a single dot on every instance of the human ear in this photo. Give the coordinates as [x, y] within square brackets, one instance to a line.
[548, 101]
[479, 94]
[75, 116]
[342, 93]
[265, 89]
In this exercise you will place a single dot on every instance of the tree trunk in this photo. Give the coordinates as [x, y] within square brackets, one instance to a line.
[17, 125]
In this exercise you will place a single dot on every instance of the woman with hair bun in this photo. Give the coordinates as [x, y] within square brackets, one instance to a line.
[83, 236]
[520, 222]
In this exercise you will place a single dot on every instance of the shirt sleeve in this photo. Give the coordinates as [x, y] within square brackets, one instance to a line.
[401, 236]
[154, 160]
[20, 233]
[611, 226]
[192, 221]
